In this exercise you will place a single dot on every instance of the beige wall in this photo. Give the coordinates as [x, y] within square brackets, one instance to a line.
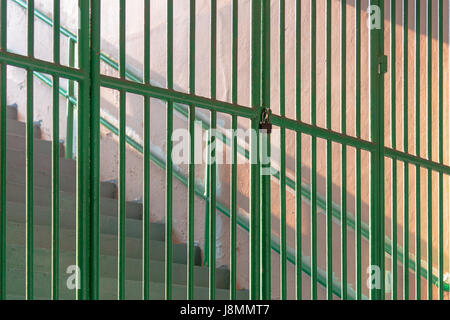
[135, 53]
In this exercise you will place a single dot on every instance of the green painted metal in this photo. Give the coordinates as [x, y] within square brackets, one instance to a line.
[344, 149]
[122, 155]
[394, 145]
[405, 149]
[83, 196]
[283, 234]
[94, 276]
[191, 181]
[242, 221]
[90, 82]
[254, 254]
[376, 89]
[305, 190]
[417, 143]
[298, 154]
[41, 66]
[169, 168]
[233, 191]
[266, 209]
[3, 102]
[329, 223]
[206, 196]
[358, 220]
[146, 192]
[55, 156]
[313, 154]
[29, 293]
[70, 104]
[429, 14]
[441, 149]
[212, 167]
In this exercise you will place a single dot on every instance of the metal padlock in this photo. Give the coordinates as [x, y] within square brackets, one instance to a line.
[266, 127]
[265, 124]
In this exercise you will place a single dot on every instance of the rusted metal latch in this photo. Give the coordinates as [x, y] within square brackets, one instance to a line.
[265, 123]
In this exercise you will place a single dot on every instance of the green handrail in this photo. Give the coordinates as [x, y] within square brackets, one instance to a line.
[306, 192]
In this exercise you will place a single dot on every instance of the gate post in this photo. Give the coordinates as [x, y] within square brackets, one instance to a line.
[376, 87]
[83, 195]
[265, 156]
[94, 150]
[254, 256]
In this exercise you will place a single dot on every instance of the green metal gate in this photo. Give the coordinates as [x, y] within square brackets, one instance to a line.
[261, 241]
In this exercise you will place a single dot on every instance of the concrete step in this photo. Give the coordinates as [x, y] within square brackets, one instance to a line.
[43, 179]
[18, 128]
[15, 235]
[42, 197]
[108, 267]
[15, 142]
[16, 159]
[15, 212]
[15, 289]
[11, 111]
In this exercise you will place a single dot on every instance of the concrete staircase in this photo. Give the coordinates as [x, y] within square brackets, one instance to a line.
[16, 234]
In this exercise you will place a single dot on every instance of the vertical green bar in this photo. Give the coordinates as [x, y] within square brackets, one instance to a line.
[233, 192]
[212, 162]
[298, 153]
[329, 223]
[405, 149]
[3, 102]
[393, 62]
[30, 161]
[430, 147]
[313, 157]
[95, 150]
[358, 185]
[70, 104]
[376, 91]
[254, 153]
[206, 194]
[146, 164]
[266, 229]
[441, 147]
[191, 181]
[344, 150]
[55, 156]
[169, 169]
[417, 101]
[122, 156]
[283, 254]
[83, 154]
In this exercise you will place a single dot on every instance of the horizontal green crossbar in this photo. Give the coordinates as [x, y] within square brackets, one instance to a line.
[176, 96]
[41, 66]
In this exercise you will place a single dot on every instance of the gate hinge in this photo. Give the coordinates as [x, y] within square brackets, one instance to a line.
[383, 65]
